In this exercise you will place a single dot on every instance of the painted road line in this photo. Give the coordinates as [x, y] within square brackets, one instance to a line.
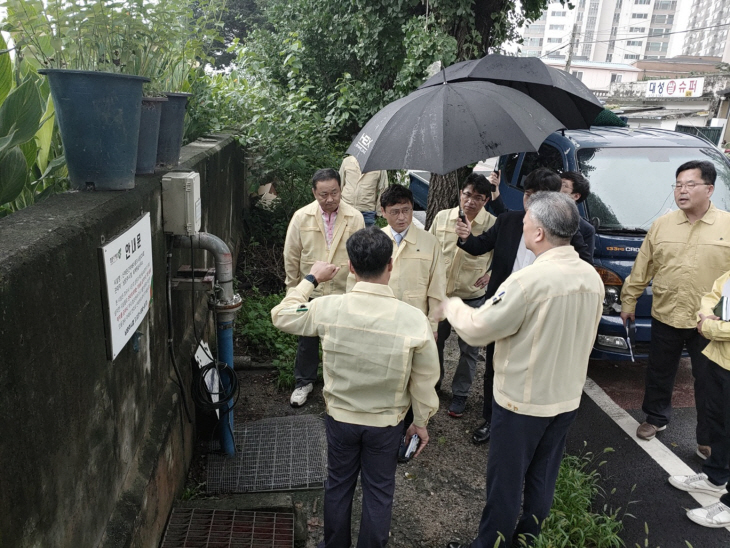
[660, 453]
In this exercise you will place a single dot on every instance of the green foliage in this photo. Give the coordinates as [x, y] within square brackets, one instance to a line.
[262, 339]
[31, 160]
[573, 520]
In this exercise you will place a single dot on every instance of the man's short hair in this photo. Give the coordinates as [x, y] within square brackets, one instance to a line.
[326, 174]
[580, 184]
[369, 250]
[543, 179]
[709, 174]
[556, 213]
[479, 182]
[396, 194]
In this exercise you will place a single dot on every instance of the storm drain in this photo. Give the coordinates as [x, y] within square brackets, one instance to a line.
[202, 528]
[277, 454]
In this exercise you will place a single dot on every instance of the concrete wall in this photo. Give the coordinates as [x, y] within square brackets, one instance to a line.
[94, 451]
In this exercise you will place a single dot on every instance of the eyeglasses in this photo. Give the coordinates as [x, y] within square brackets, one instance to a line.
[688, 186]
[397, 212]
[476, 198]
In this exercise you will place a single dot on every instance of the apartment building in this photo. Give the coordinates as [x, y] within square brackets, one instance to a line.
[711, 18]
[608, 31]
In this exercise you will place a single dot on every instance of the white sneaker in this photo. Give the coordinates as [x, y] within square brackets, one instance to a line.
[697, 483]
[716, 515]
[299, 396]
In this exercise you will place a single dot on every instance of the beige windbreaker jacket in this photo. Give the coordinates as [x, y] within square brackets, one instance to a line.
[462, 269]
[362, 190]
[378, 353]
[682, 260]
[306, 243]
[544, 319]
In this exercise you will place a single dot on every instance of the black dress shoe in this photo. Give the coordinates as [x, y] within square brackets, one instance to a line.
[456, 545]
[481, 434]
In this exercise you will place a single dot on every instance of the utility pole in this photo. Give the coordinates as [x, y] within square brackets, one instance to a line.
[573, 37]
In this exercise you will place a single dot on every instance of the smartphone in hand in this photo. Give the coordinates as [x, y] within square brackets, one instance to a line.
[462, 215]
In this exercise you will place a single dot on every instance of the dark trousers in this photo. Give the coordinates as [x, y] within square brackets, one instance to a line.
[488, 384]
[464, 374]
[372, 453]
[523, 450]
[665, 351]
[717, 465]
[307, 361]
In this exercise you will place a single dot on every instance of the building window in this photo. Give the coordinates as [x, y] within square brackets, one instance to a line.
[640, 16]
[657, 46]
[631, 56]
[615, 78]
[554, 40]
[557, 13]
[656, 32]
[665, 5]
[637, 29]
[578, 74]
[642, 2]
[593, 9]
[609, 58]
[657, 19]
[670, 19]
[557, 27]
[616, 17]
[634, 42]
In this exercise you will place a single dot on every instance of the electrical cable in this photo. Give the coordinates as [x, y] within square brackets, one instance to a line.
[170, 348]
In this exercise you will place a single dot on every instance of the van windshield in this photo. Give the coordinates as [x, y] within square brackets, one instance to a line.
[630, 187]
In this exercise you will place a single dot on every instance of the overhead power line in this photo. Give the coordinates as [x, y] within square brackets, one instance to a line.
[637, 37]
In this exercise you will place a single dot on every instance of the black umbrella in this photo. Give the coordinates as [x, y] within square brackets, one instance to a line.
[566, 97]
[441, 128]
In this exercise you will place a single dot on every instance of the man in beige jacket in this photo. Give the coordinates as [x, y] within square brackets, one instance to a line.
[544, 319]
[317, 232]
[419, 274]
[682, 254]
[713, 480]
[379, 360]
[466, 277]
[362, 190]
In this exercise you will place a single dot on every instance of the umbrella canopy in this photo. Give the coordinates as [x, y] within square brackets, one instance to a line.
[566, 97]
[442, 128]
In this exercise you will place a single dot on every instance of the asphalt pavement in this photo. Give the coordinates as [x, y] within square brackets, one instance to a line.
[635, 473]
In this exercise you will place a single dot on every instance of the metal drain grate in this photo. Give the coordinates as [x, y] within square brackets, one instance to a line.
[282, 453]
[202, 528]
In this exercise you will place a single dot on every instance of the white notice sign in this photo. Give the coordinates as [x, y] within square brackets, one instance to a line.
[679, 87]
[128, 277]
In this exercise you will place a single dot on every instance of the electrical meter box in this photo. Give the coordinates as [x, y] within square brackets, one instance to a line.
[181, 207]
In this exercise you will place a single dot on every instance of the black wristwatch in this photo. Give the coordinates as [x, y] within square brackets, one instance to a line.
[311, 278]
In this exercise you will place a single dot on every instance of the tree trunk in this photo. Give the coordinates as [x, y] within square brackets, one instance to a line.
[443, 192]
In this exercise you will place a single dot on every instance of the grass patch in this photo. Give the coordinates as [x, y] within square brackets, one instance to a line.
[573, 519]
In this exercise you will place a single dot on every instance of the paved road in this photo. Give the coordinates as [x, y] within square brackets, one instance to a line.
[636, 472]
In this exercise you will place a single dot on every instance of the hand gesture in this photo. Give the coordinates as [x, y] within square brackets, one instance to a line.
[463, 230]
[494, 178]
[323, 271]
[483, 281]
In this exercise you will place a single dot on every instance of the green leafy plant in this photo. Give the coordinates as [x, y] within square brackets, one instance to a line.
[573, 520]
[31, 165]
[262, 339]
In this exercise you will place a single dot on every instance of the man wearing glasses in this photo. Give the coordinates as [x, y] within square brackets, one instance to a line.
[318, 232]
[466, 277]
[683, 253]
[418, 277]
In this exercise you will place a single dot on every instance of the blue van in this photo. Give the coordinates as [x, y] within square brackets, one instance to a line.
[631, 172]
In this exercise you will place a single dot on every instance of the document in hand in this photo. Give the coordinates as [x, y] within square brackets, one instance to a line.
[722, 308]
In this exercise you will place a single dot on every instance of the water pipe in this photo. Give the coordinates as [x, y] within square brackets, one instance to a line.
[226, 304]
